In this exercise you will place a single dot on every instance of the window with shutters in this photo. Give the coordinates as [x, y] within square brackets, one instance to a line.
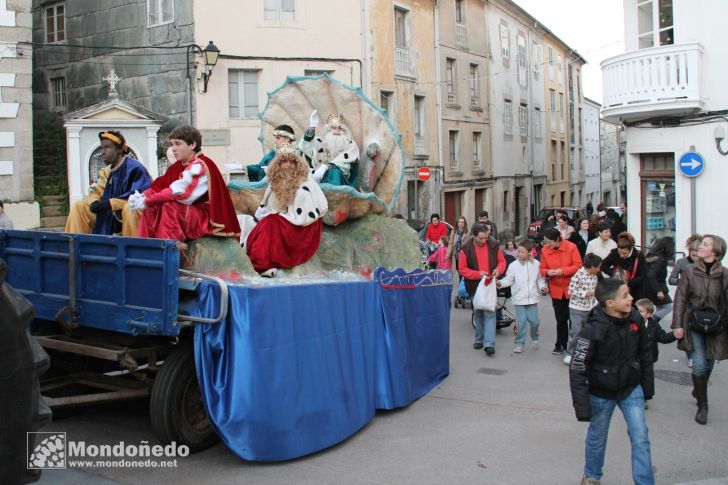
[160, 12]
[522, 61]
[523, 119]
[454, 150]
[451, 81]
[477, 150]
[505, 40]
[282, 10]
[58, 92]
[537, 59]
[243, 93]
[507, 117]
[55, 21]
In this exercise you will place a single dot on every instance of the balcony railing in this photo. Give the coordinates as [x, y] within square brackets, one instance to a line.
[474, 102]
[452, 98]
[402, 61]
[658, 81]
[461, 33]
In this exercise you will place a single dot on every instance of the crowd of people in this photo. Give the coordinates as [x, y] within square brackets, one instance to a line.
[608, 298]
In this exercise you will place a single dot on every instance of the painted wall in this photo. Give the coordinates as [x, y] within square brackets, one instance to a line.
[245, 33]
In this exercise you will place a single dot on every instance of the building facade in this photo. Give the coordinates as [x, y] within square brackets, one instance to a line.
[16, 117]
[403, 65]
[557, 152]
[464, 120]
[592, 152]
[612, 162]
[518, 105]
[575, 97]
[670, 121]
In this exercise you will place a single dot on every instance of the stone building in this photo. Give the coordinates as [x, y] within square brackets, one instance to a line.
[16, 117]
[464, 130]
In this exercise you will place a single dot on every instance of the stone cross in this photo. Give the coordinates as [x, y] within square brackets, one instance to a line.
[113, 80]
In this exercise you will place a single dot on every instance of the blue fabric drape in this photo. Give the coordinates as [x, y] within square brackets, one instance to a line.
[296, 369]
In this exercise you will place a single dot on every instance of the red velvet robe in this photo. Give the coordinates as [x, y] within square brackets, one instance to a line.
[212, 214]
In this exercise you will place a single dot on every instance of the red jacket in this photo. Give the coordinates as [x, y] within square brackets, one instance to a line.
[567, 258]
[435, 232]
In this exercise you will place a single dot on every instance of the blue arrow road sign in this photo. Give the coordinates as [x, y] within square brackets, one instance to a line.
[691, 164]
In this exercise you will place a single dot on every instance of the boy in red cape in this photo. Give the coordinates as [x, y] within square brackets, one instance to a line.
[191, 199]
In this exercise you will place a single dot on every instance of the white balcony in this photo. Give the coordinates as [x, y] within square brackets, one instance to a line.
[403, 61]
[460, 33]
[659, 81]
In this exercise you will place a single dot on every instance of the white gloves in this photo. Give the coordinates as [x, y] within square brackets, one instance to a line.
[313, 120]
[320, 172]
[265, 169]
[260, 213]
[137, 201]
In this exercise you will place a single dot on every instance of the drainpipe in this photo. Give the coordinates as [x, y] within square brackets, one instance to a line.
[364, 65]
[529, 79]
[438, 101]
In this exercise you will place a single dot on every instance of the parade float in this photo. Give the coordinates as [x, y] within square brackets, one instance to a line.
[276, 368]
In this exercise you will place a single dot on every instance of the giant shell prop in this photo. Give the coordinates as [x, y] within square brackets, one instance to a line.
[380, 178]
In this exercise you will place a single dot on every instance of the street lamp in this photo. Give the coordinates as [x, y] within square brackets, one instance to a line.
[210, 54]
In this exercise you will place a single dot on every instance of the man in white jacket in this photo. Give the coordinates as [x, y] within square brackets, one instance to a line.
[527, 287]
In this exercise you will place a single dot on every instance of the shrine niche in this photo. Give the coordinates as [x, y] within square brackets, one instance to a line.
[138, 125]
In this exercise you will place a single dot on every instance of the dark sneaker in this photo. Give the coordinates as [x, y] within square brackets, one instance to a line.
[557, 350]
[477, 346]
[489, 351]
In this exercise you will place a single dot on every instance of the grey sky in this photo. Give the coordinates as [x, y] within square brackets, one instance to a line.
[594, 28]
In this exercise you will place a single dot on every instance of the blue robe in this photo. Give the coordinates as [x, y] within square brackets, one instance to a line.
[255, 172]
[129, 177]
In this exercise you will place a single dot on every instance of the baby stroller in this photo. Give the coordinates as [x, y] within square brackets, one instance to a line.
[463, 298]
[503, 316]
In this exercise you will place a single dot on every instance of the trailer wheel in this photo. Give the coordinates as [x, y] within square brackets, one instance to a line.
[176, 408]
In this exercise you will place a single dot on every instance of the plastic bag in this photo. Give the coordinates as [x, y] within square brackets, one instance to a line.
[486, 295]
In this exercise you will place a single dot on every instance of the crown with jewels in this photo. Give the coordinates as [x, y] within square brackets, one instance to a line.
[335, 120]
[286, 150]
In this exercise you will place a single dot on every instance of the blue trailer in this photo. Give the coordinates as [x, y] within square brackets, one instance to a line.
[277, 371]
[107, 313]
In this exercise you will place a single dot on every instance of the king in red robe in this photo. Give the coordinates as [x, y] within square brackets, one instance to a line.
[191, 199]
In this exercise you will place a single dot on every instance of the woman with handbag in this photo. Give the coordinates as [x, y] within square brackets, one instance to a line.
[700, 308]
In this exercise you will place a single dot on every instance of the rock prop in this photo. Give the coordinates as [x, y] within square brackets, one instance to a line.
[359, 246]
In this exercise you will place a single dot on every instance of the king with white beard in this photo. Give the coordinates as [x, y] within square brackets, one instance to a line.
[333, 153]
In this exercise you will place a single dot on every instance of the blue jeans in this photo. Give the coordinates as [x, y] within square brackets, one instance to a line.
[701, 364]
[485, 328]
[633, 409]
[526, 314]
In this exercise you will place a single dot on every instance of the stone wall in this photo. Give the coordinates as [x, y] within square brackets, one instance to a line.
[152, 78]
[16, 118]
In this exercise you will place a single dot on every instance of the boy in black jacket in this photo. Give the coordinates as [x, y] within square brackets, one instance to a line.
[612, 366]
[655, 332]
